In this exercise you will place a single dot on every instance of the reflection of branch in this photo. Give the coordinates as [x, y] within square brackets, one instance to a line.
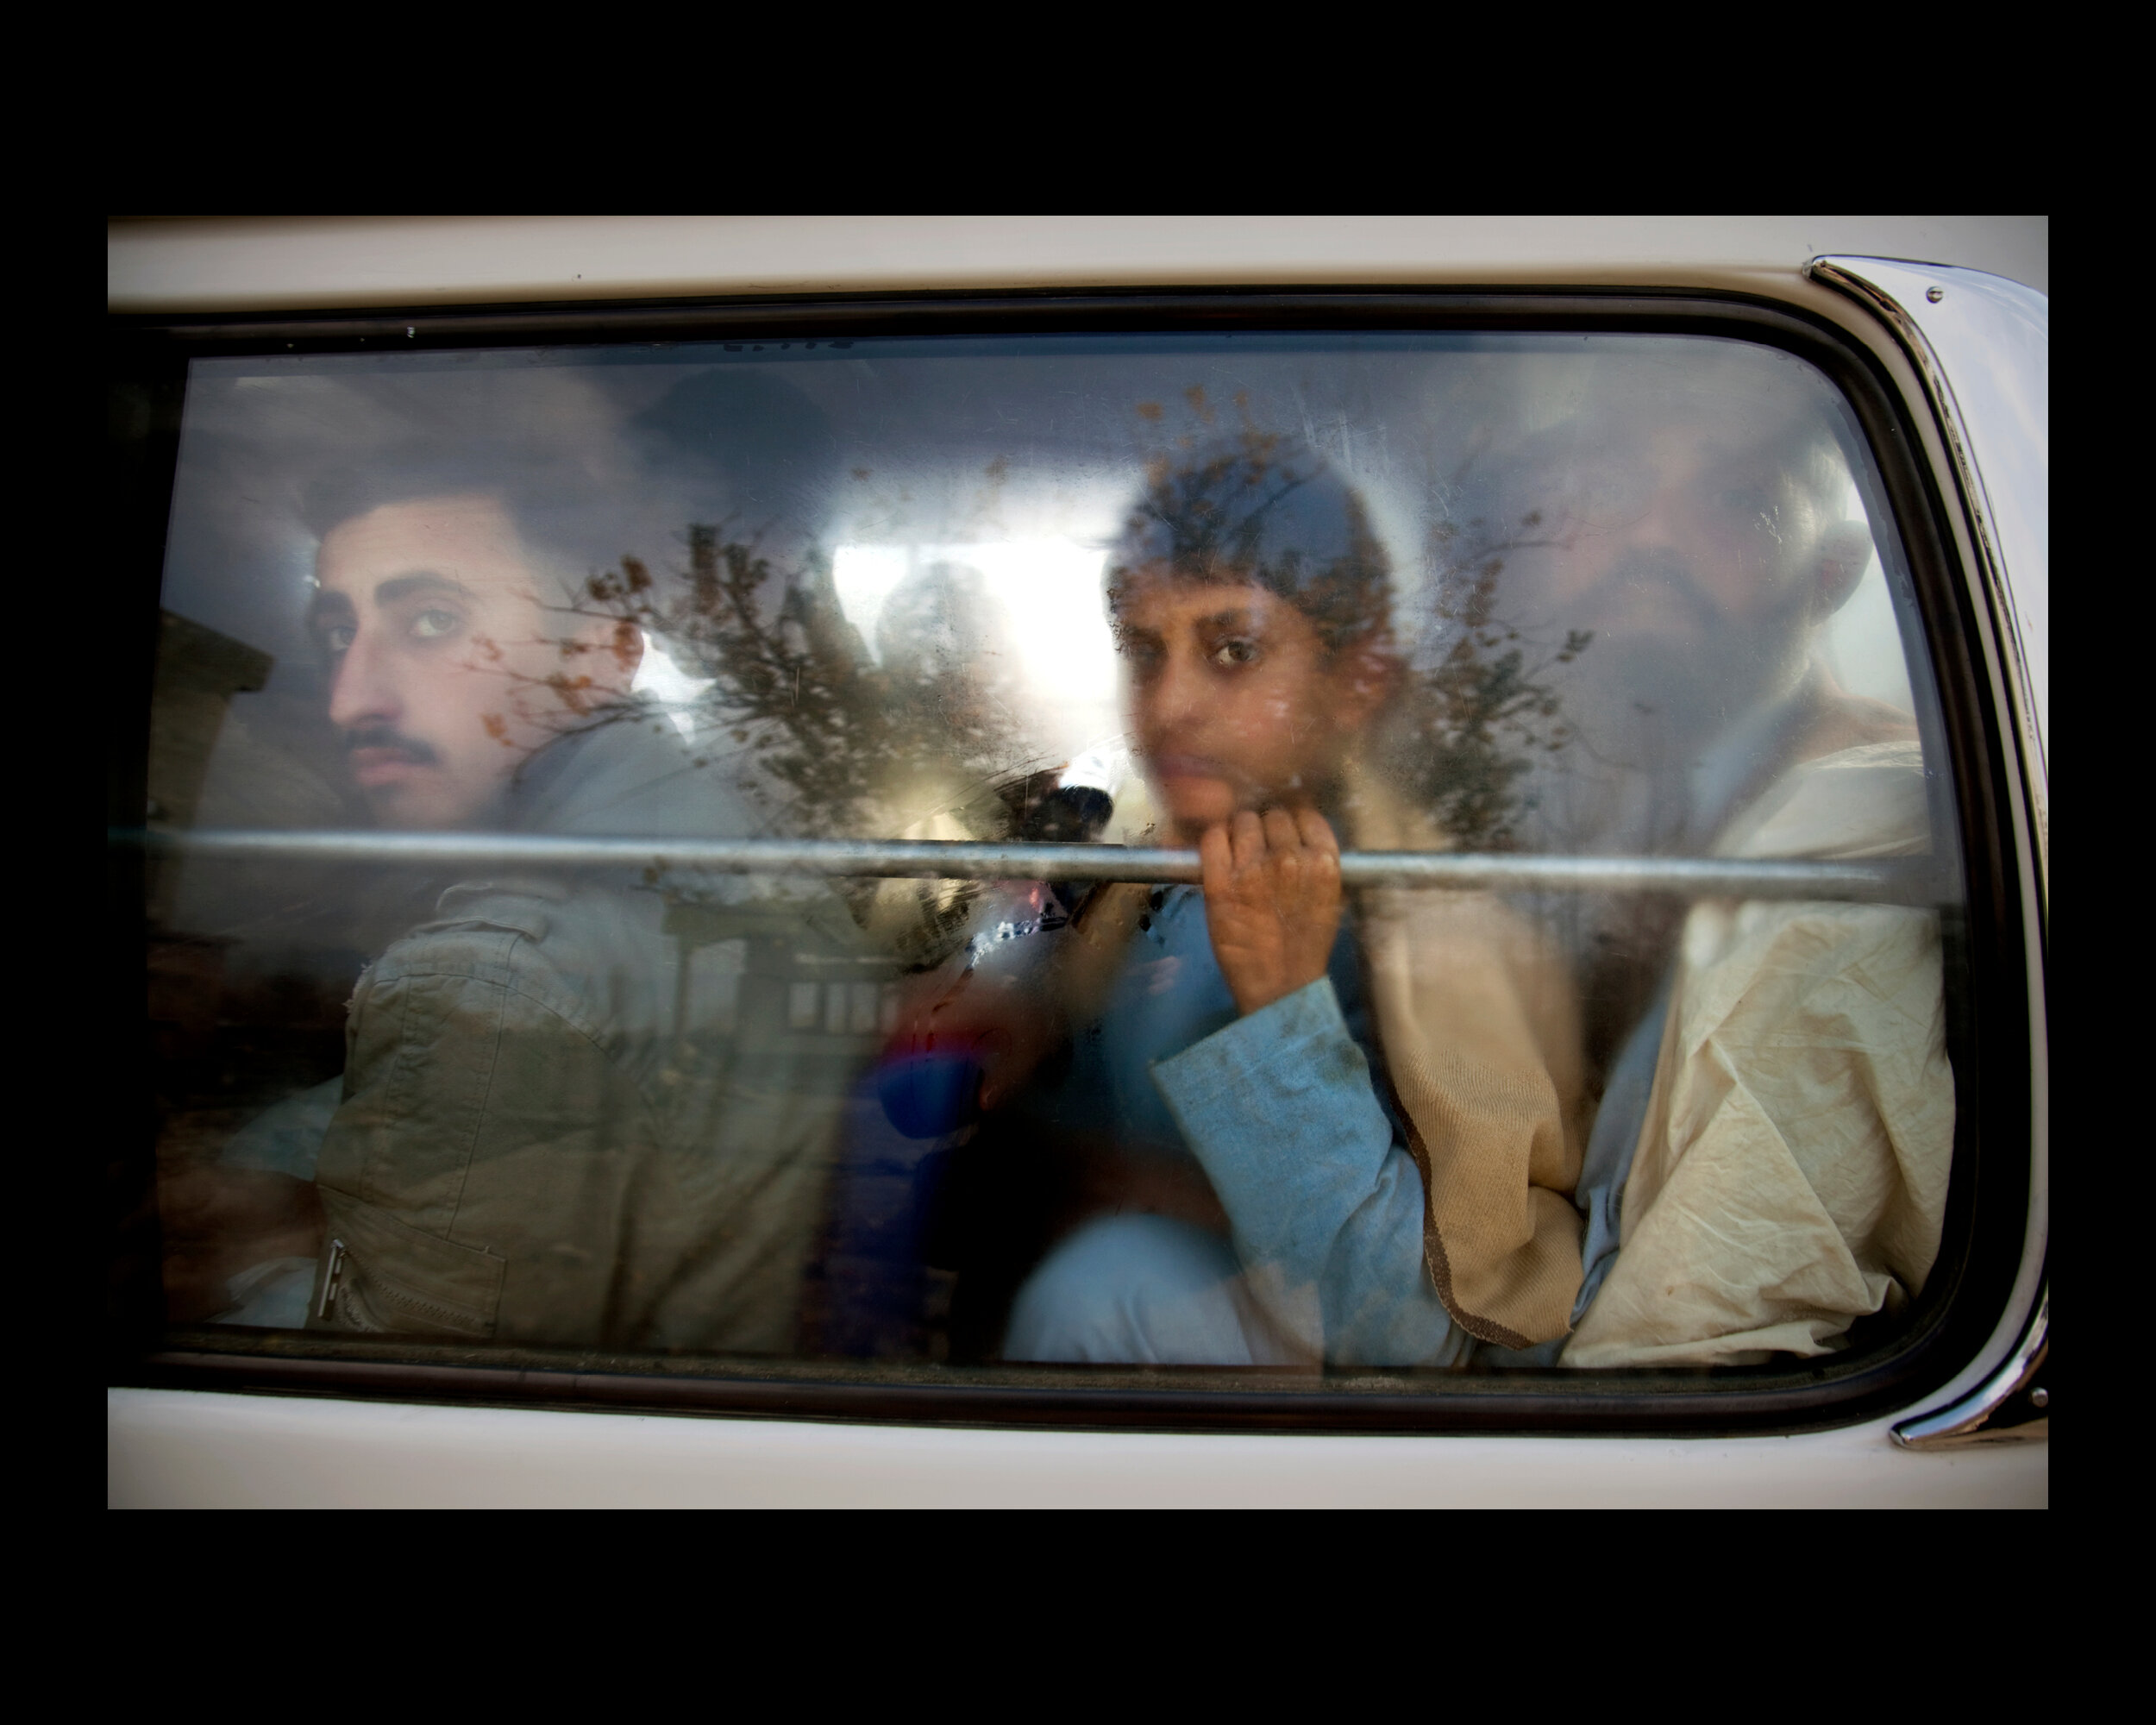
[572, 701]
[1476, 722]
[845, 746]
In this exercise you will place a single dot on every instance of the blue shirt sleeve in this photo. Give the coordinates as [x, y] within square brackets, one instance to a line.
[1324, 1199]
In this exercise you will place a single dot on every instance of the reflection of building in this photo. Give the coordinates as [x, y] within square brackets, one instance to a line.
[270, 944]
[830, 996]
[839, 1005]
[198, 672]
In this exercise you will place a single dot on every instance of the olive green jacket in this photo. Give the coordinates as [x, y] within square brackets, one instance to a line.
[597, 1113]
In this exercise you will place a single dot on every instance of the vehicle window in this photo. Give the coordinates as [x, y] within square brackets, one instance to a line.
[1450, 830]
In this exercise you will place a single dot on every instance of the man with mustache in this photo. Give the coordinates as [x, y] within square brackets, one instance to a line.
[451, 670]
[549, 1131]
[1769, 1160]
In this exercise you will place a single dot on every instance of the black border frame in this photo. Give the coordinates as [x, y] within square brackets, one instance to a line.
[1981, 1251]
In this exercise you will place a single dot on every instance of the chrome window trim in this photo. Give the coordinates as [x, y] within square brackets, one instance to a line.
[1886, 287]
[2009, 1407]
[1897, 293]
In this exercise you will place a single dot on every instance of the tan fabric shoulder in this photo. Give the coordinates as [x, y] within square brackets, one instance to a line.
[1791, 1173]
[1480, 1027]
[1481, 1042]
[1775, 1200]
[1841, 720]
[1864, 801]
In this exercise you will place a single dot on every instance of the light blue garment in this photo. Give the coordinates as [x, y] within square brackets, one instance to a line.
[1610, 1148]
[285, 1139]
[1146, 1290]
[1281, 1111]
[270, 1296]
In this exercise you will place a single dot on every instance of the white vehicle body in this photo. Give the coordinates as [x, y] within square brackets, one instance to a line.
[1952, 310]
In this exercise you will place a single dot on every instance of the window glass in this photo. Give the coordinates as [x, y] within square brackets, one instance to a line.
[435, 1063]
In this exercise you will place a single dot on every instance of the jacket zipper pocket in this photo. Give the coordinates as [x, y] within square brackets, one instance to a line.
[332, 1280]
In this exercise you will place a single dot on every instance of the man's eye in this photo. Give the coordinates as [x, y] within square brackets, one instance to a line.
[431, 624]
[1235, 651]
[338, 637]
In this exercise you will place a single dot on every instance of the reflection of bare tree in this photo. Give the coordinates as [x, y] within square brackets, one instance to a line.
[923, 743]
[1471, 726]
[845, 746]
[918, 739]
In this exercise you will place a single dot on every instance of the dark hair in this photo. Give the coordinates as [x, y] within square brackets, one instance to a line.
[1260, 510]
[564, 516]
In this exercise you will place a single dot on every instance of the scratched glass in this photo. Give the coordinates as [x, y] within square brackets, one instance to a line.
[508, 987]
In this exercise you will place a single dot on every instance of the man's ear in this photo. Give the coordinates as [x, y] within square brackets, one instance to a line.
[1845, 553]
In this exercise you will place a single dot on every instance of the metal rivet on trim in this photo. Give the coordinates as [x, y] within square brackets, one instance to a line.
[2039, 1398]
[1934, 294]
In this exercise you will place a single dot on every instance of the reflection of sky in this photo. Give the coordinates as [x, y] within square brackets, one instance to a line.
[1861, 644]
[659, 679]
[1049, 589]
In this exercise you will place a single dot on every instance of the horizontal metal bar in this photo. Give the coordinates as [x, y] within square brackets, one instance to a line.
[1909, 880]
